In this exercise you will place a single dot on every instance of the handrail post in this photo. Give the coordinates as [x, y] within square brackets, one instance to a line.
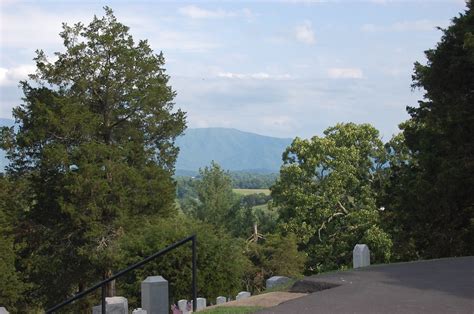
[103, 283]
[194, 274]
[103, 303]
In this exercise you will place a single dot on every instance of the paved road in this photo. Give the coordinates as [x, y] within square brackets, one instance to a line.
[435, 286]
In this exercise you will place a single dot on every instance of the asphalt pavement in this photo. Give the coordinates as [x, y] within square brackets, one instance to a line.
[434, 286]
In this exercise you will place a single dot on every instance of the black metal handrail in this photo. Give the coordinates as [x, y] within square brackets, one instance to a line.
[103, 283]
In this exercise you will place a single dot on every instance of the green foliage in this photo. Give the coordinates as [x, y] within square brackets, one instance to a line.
[12, 285]
[215, 194]
[430, 193]
[210, 198]
[96, 145]
[186, 188]
[275, 255]
[247, 180]
[243, 217]
[397, 190]
[326, 194]
[379, 242]
[221, 263]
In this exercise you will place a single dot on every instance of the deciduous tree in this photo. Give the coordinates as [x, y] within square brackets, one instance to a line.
[326, 197]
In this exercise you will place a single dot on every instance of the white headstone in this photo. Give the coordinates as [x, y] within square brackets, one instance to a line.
[155, 295]
[183, 306]
[3, 310]
[361, 256]
[243, 295]
[200, 304]
[221, 300]
[275, 281]
[139, 311]
[113, 305]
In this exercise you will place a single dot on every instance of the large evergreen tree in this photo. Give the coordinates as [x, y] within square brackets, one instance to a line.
[95, 140]
[215, 194]
[431, 192]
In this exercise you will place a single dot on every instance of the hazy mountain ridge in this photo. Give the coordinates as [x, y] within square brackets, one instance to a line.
[233, 149]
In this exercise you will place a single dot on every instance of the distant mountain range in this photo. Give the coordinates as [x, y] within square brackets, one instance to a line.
[232, 149]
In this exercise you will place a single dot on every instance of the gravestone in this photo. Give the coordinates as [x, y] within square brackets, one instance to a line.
[275, 281]
[184, 306]
[200, 304]
[242, 295]
[221, 300]
[113, 305]
[361, 256]
[155, 295]
[139, 311]
[3, 310]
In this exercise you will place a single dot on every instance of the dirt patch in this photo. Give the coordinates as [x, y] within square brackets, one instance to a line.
[265, 300]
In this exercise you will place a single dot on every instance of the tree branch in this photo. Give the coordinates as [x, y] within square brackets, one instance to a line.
[342, 207]
[328, 221]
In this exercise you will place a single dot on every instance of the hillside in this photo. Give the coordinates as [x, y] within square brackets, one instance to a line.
[233, 149]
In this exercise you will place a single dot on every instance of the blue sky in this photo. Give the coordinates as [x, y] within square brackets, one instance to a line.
[279, 68]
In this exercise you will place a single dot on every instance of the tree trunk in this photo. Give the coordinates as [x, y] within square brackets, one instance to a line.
[111, 285]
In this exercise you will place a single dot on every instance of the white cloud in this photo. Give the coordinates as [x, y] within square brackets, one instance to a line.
[196, 12]
[183, 41]
[370, 28]
[345, 73]
[16, 32]
[255, 76]
[12, 76]
[304, 33]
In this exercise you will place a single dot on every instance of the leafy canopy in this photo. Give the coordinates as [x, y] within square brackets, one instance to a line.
[325, 194]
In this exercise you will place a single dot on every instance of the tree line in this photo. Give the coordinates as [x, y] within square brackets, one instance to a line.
[90, 189]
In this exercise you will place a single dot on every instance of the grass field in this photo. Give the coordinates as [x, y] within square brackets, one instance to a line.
[252, 191]
[262, 207]
[233, 310]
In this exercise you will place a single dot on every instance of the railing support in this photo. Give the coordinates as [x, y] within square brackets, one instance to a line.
[194, 291]
[104, 304]
[103, 283]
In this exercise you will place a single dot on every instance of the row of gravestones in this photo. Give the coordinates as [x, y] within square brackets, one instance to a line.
[119, 305]
[154, 292]
[155, 298]
[185, 306]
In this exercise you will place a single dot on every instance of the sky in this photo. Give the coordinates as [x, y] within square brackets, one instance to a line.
[278, 68]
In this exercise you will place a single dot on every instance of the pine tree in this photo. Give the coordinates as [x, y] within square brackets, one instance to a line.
[431, 192]
[96, 143]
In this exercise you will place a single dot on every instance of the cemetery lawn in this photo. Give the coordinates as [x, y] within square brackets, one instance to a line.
[251, 191]
[233, 310]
